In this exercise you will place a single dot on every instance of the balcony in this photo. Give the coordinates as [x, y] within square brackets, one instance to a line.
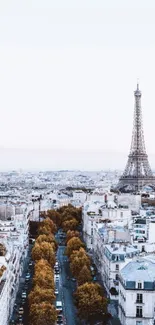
[139, 315]
[139, 301]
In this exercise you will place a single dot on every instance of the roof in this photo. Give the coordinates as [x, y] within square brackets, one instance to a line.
[121, 249]
[139, 270]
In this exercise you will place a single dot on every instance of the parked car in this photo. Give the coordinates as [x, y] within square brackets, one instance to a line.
[56, 291]
[21, 311]
[56, 277]
[59, 305]
[20, 319]
[56, 265]
[27, 277]
[24, 294]
[23, 301]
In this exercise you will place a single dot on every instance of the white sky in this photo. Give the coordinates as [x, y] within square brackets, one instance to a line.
[68, 69]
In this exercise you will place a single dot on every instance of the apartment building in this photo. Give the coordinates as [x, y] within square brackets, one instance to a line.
[137, 292]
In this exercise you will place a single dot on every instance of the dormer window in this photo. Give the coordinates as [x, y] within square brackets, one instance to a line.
[139, 285]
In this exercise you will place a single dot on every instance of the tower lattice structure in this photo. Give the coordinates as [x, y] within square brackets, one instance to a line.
[137, 172]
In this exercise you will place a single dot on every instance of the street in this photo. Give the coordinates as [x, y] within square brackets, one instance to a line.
[66, 288]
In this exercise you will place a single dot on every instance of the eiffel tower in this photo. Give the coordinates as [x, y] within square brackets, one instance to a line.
[137, 172]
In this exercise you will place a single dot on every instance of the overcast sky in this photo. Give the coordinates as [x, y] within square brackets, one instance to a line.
[68, 69]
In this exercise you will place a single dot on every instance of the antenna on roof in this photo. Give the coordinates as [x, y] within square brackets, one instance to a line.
[137, 83]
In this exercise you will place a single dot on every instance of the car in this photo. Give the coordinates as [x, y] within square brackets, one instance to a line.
[56, 265]
[56, 277]
[23, 301]
[24, 294]
[27, 277]
[59, 305]
[21, 311]
[56, 271]
[20, 319]
[56, 291]
[30, 264]
[73, 279]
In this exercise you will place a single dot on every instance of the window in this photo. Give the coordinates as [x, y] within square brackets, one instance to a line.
[121, 214]
[139, 298]
[91, 231]
[143, 248]
[139, 322]
[139, 285]
[117, 267]
[139, 311]
[117, 277]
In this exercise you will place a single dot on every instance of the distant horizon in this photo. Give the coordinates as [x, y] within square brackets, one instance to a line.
[63, 159]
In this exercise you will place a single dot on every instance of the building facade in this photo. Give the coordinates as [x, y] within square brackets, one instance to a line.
[137, 293]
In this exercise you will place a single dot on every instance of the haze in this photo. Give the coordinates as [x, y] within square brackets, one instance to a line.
[68, 70]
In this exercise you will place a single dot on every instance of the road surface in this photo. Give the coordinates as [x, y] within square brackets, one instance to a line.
[66, 288]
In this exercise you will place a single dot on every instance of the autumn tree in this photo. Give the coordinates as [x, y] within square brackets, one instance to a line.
[44, 279]
[44, 230]
[79, 259]
[84, 275]
[70, 224]
[43, 313]
[71, 234]
[43, 275]
[55, 216]
[89, 302]
[2, 250]
[39, 295]
[69, 212]
[73, 244]
[47, 224]
[43, 250]
[43, 265]
[47, 238]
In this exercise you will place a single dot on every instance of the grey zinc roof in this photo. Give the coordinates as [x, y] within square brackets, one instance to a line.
[142, 269]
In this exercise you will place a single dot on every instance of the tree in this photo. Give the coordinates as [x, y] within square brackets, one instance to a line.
[47, 238]
[71, 234]
[89, 302]
[55, 216]
[43, 313]
[73, 244]
[81, 253]
[70, 224]
[48, 224]
[42, 265]
[2, 250]
[69, 212]
[45, 251]
[44, 279]
[39, 295]
[84, 275]
[78, 260]
[44, 230]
